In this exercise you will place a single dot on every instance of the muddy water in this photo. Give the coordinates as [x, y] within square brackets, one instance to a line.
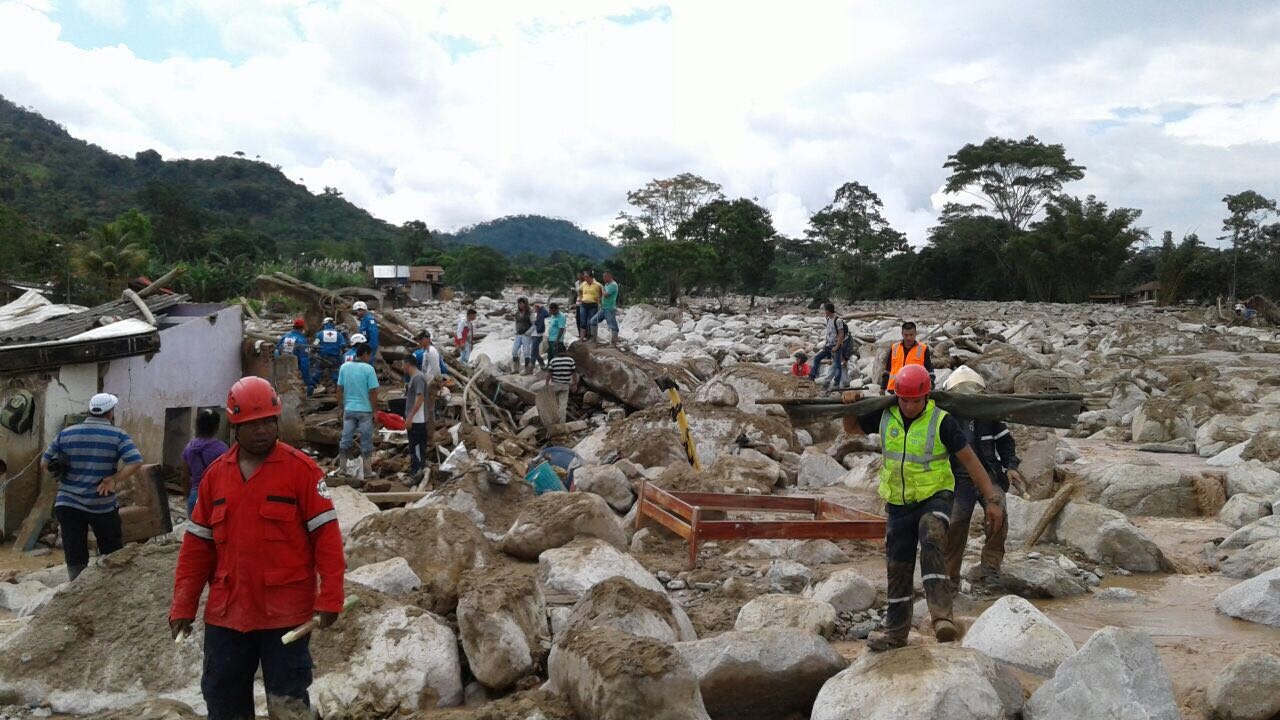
[1193, 639]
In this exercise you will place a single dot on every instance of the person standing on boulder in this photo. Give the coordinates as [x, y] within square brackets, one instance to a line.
[589, 304]
[995, 447]
[838, 346]
[464, 335]
[263, 529]
[84, 457]
[520, 346]
[608, 309]
[555, 332]
[917, 486]
[537, 332]
[902, 354]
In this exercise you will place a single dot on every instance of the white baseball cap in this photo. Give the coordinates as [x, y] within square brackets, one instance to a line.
[102, 403]
[357, 338]
[359, 305]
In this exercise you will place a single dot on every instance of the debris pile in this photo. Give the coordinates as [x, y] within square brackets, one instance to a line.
[484, 589]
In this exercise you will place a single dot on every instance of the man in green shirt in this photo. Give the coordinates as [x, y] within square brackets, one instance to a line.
[555, 330]
[608, 309]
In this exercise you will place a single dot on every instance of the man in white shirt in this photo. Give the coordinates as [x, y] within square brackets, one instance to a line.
[417, 415]
[464, 335]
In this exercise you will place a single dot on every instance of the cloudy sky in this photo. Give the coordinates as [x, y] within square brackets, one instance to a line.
[459, 111]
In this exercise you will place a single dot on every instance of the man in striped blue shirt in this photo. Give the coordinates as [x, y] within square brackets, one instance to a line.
[85, 457]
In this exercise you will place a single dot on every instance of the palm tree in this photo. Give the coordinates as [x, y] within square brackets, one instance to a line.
[107, 260]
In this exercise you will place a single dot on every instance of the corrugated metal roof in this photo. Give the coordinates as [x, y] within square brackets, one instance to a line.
[69, 326]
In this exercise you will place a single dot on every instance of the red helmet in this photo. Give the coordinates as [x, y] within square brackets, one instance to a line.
[299, 323]
[912, 382]
[252, 398]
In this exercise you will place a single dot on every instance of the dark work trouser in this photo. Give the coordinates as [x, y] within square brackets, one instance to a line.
[75, 526]
[535, 353]
[924, 524]
[586, 311]
[419, 447]
[231, 660]
[958, 533]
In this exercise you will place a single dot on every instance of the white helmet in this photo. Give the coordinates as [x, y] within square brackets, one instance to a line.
[359, 305]
[327, 321]
[102, 403]
[357, 338]
[964, 379]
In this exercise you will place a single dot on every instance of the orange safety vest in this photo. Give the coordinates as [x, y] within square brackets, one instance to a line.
[899, 359]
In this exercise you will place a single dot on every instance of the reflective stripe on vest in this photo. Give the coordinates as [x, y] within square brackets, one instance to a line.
[899, 359]
[916, 463]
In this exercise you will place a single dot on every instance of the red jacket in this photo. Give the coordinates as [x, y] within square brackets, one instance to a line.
[259, 544]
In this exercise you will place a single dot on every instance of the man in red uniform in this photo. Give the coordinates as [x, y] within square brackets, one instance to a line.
[263, 528]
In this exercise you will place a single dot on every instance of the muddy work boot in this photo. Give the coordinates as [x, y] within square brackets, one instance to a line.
[946, 631]
[882, 640]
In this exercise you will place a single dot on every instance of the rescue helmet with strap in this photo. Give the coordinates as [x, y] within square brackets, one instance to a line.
[913, 382]
[299, 323]
[252, 398]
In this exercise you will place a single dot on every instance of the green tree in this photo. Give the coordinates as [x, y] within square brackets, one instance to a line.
[667, 269]
[662, 205]
[107, 260]
[965, 257]
[741, 232]
[1248, 210]
[1176, 267]
[1076, 249]
[477, 269]
[1014, 177]
[854, 223]
[416, 240]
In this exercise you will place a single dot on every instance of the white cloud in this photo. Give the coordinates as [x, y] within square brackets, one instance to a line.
[455, 112]
[107, 12]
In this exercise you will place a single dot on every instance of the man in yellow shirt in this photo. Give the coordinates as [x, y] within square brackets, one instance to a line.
[591, 291]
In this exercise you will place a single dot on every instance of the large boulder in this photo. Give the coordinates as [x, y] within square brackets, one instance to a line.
[742, 474]
[1014, 631]
[610, 675]
[352, 506]
[787, 611]
[1039, 577]
[1242, 509]
[502, 619]
[1117, 674]
[577, 567]
[788, 576]
[1267, 528]
[1037, 381]
[1160, 420]
[752, 382]
[1219, 433]
[629, 378]
[846, 591]
[763, 674]
[818, 469]
[440, 545]
[1254, 478]
[650, 438]
[1102, 534]
[621, 604]
[1154, 490]
[1253, 560]
[400, 657]
[1001, 364]
[606, 481]
[554, 519]
[921, 682]
[393, 577]
[1247, 689]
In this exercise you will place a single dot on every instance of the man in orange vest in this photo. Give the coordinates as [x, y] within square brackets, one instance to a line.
[263, 528]
[902, 354]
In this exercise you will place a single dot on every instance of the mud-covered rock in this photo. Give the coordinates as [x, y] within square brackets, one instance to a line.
[606, 481]
[584, 563]
[1116, 674]
[787, 611]
[555, 519]
[761, 675]
[621, 604]
[502, 619]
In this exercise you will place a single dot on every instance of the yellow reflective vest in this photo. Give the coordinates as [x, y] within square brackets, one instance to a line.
[916, 462]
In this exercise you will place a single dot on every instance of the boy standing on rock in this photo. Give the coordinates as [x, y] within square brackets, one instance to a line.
[918, 439]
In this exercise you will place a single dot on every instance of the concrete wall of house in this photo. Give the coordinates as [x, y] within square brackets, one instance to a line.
[57, 394]
[198, 362]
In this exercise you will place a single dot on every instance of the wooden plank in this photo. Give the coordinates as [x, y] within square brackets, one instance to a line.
[661, 498]
[794, 530]
[842, 512]
[667, 520]
[29, 532]
[728, 501]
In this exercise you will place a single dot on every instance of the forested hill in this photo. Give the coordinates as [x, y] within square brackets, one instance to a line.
[519, 234]
[64, 185]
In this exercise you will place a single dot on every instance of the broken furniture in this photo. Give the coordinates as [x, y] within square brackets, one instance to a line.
[688, 514]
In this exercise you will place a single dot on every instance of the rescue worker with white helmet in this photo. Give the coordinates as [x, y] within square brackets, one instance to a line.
[356, 340]
[368, 324]
[329, 344]
[994, 445]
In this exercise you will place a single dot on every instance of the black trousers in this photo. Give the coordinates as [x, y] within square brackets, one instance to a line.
[75, 526]
[923, 524]
[231, 660]
[419, 446]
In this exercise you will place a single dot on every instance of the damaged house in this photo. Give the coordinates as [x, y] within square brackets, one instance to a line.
[164, 357]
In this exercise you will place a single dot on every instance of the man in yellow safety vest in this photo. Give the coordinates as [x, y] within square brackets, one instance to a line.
[902, 354]
[918, 440]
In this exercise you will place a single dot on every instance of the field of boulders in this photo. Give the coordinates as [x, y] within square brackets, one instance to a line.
[482, 599]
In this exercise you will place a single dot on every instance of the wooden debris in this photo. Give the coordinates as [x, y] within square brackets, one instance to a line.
[1059, 501]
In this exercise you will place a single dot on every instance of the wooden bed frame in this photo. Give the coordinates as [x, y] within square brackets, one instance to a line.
[683, 513]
